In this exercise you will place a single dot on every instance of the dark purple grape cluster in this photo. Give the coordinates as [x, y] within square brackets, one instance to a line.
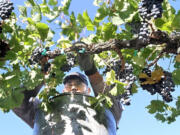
[6, 8]
[4, 47]
[164, 87]
[125, 76]
[70, 62]
[37, 55]
[150, 9]
[144, 32]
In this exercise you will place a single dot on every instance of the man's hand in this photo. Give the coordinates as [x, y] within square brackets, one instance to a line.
[85, 61]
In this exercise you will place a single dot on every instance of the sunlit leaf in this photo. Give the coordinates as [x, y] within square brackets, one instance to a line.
[52, 2]
[43, 30]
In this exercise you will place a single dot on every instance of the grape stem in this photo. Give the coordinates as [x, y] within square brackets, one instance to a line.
[153, 30]
[121, 57]
[156, 60]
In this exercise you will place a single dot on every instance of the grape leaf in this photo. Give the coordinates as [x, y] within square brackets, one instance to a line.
[156, 106]
[88, 21]
[155, 77]
[43, 30]
[178, 103]
[175, 23]
[160, 117]
[178, 58]
[52, 2]
[175, 76]
[23, 11]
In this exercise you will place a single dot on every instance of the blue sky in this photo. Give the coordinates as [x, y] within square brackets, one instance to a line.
[135, 118]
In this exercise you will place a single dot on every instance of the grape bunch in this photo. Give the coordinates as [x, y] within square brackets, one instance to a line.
[70, 62]
[4, 47]
[37, 55]
[150, 9]
[6, 8]
[144, 32]
[125, 76]
[164, 87]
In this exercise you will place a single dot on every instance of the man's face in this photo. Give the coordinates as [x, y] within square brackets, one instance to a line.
[76, 85]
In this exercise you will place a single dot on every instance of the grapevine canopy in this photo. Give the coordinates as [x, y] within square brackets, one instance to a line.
[113, 33]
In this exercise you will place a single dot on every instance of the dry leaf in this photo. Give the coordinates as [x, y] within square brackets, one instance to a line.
[178, 58]
[155, 77]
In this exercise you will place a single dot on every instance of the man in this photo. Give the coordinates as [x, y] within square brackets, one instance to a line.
[73, 83]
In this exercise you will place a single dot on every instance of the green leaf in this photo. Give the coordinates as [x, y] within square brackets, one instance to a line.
[156, 106]
[44, 9]
[66, 5]
[119, 4]
[23, 11]
[165, 22]
[109, 30]
[124, 11]
[13, 100]
[52, 2]
[108, 101]
[97, 2]
[110, 77]
[73, 19]
[116, 20]
[36, 13]
[175, 76]
[44, 1]
[102, 12]
[43, 30]
[88, 21]
[30, 21]
[178, 103]
[175, 23]
[7, 28]
[134, 89]
[81, 20]
[118, 89]
[160, 117]
[140, 61]
[50, 35]
[31, 2]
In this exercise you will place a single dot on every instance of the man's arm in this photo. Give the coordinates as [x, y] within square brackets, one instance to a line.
[98, 86]
[96, 80]
[27, 111]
